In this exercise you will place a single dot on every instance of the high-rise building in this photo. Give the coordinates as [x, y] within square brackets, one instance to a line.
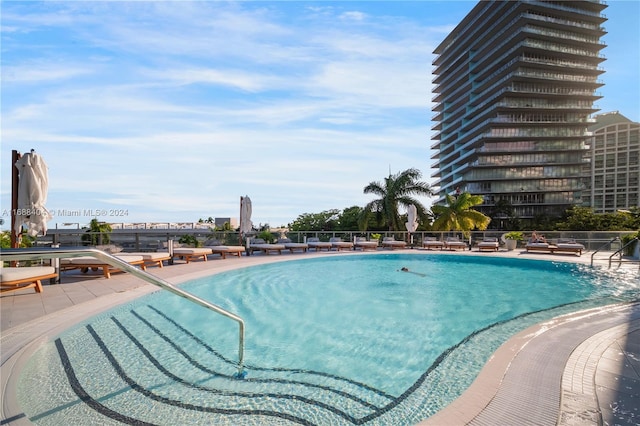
[615, 164]
[514, 86]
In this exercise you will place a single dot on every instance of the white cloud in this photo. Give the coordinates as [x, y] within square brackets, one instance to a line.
[176, 109]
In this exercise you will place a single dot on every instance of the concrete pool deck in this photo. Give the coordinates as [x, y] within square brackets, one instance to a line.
[577, 369]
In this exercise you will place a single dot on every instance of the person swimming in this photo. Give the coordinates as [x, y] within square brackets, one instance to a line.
[405, 269]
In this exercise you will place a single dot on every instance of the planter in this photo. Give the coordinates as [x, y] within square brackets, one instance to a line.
[511, 244]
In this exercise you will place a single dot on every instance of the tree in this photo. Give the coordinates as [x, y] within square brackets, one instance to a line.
[458, 214]
[584, 219]
[98, 233]
[348, 219]
[324, 221]
[396, 191]
[503, 217]
[25, 240]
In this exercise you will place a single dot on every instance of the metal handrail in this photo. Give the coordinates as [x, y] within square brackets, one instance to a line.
[607, 244]
[57, 253]
[621, 249]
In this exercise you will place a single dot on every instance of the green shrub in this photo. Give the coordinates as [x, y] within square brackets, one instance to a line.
[190, 240]
[514, 235]
[266, 236]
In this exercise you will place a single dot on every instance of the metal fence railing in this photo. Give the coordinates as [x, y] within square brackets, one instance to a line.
[154, 240]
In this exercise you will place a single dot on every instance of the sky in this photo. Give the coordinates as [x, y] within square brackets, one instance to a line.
[170, 111]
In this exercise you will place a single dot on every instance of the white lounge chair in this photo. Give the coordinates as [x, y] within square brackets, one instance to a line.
[20, 278]
[259, 244]
[189, 253]
[317, 245]
[363, 244]
[453, 243]
[569, 246]
[489, 244]
[432, 243]
[291, 246]
[392, 243]
[153, 258]
[84, 263]
[223, 251]
[338, 244]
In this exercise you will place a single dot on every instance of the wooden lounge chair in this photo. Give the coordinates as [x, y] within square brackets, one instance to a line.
[338, 244]
[291, 246]
[85, 263]
[223, 251]
[317, 245]
[453, 243]
[431, 243]
[153, 258]
[569, 246]
[561, 246]
[363, 244]
[489, 244]
[258, 244]
[538, 246]
[392, 243]
[189, 253]
[20, 278]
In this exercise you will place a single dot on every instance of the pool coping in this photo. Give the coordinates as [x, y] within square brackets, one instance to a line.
[488, 395]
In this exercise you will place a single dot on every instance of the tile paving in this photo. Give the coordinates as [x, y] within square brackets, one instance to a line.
[580, 369]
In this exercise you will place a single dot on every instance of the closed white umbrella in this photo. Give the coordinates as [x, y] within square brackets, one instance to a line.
[412, 218]
[412, 221]
[245, 215]
[33, 185]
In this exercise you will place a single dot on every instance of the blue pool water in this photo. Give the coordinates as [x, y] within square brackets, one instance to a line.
[331, 340]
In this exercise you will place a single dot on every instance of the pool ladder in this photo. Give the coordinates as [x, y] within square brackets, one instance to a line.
[618, 252]
[9, 255]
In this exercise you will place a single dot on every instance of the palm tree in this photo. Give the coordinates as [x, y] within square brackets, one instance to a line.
[396, 191]
[458, 214]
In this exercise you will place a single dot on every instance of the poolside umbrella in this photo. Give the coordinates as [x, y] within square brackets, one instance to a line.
[33, 184]
[412, 218]
[245, 215]
[412, 221]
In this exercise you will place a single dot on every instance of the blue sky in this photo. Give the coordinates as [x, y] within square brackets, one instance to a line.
[170, 111]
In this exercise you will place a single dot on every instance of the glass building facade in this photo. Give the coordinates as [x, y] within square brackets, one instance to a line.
[515, 85]
[615, 164]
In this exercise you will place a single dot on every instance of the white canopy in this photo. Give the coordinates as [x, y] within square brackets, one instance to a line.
[33, 184]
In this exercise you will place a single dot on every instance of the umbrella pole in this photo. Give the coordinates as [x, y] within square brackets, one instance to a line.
[15, 156]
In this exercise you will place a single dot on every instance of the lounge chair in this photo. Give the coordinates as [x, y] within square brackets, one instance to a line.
[363, 244]
[431, 243]
[258, 244]
[189, 253]
[392, 243]
[84, 263]
[454, 243]
[338, 244]
[489, 244]
[537, 246]
[218, 248]
[20, 278]
[223, 251]
[317, 245]
[569, 246]
[291, 246]
[561, 246]
[153, 258]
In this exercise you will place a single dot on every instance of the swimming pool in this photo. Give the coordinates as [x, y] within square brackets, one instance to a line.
[336, 340]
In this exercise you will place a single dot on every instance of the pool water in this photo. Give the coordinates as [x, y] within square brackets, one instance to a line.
[331, 340]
